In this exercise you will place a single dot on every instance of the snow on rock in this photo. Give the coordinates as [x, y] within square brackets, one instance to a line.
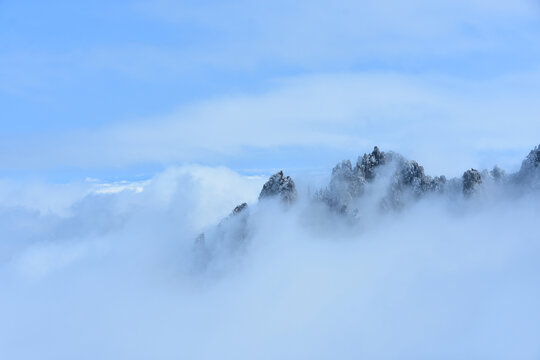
[532, 161]
[406, 178]
[409, 180]
[471, 180]
[229, 236]
[369, 162]
[279, 185]
[529, 173]
[387, 179]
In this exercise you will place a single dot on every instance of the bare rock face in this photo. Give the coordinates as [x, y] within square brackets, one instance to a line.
[279, 185]
[471, 180]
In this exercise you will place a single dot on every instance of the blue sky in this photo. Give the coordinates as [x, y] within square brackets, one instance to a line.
[125, 88]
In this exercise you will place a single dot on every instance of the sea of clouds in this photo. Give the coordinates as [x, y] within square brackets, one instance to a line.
[105, 271]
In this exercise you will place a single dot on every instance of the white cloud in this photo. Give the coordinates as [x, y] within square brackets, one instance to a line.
[310, 36]
[425, 283]
[434, 119]
[315, 33]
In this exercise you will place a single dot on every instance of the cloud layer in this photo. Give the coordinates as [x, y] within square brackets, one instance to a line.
[111, 276]
[434, 119]
[203, 93]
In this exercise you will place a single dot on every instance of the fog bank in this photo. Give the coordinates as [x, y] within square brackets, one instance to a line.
[111, 274]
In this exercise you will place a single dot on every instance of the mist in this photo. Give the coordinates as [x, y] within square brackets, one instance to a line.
[107, 271]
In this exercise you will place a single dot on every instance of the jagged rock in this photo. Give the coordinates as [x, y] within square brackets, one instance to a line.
[369, 162]
[239, 208]
[471, 180]
[231, 231]
[406, 177]
[236, 221]
[438, 184]
[412, 176]
[279, 185]
[529, 173]
[410, 179]
[347, 183]
[532, 161]
[387, 179]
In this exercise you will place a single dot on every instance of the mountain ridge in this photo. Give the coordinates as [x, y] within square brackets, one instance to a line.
[388, 179]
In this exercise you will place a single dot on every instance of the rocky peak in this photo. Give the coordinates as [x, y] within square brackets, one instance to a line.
[412, 175]
[369, 162]
[534, 156]
[279, 185]
[471, 179]
[343, 169]
[531, 162]
[392, 188]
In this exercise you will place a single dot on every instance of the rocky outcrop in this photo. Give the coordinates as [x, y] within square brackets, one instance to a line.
[348, 183]
[529, 173]
[345, 185]
[409, 180]
[231, 234]
[279, 186]
[237, 210]
[406, 178]
[386, 178]
[370, 162]
[471, 180]
[532, 161]
[410, 176]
